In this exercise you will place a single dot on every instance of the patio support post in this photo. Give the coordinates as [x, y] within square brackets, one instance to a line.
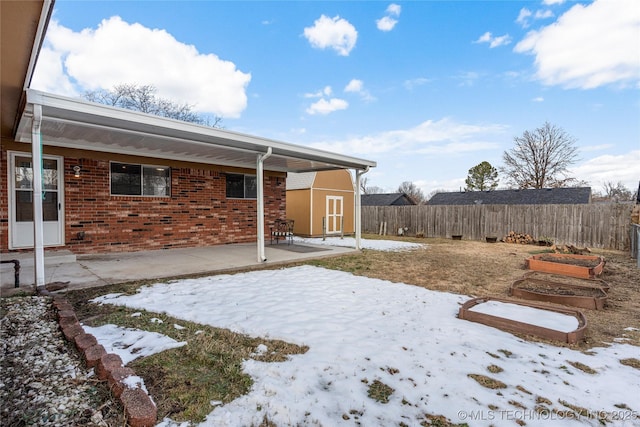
[260, 201]
[36, 166]
[358, 214]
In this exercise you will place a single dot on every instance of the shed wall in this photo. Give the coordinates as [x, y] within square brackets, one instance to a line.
[298, 209]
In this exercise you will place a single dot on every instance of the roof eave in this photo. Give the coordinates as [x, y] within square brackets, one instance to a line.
[100, 117]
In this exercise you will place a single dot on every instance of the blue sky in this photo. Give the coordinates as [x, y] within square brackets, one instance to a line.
[428, 89]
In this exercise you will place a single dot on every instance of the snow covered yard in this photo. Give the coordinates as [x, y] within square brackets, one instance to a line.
[372, 341]
[350, 242]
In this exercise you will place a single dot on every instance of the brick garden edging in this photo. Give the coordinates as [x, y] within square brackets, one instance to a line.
[139, 409]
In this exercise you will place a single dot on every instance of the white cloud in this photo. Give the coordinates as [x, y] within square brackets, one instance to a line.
[334, 33]
[326, 91]
[430, 137]
[485, 38]
[468, 78]
[588, 46]
[50, 76]
[354, 85]
[386, 23]
[538, 99]
[544, 14]
[394, 9]
[500, 41]
[550, 2]
[412, 83]
[525, 14]
[494, 41]
[523, 17]
[452, 148]
[118, 52]
[324, 106]
[614, 168]
[357, 86]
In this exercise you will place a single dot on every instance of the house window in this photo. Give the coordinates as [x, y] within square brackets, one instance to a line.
[140, 180]
[241, 186]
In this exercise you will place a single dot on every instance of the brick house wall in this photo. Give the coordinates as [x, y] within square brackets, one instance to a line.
[197, 213]
[4, 200]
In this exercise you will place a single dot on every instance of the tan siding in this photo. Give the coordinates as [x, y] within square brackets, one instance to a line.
[335, 180]
[298, 210]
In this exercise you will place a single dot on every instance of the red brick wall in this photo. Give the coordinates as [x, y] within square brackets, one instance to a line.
[4, 201]
[196, 214]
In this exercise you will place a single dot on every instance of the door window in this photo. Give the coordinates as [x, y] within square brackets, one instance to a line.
[24, 189]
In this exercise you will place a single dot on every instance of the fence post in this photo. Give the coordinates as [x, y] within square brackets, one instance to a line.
[635, 243]
[324, 228]
[637, 227]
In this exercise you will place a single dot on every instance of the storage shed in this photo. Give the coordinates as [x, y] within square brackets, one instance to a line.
[323, 196]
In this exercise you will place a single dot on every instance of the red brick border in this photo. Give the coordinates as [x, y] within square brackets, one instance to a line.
[139, 408]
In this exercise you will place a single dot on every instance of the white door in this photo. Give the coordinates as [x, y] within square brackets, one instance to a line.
[334, 214]
[21, 200]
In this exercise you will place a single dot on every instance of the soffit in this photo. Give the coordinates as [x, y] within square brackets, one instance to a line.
[19, 22]
[83, 125]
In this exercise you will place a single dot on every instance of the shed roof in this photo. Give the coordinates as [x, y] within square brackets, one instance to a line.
[544, 196]
[386, 199]
[300, 181]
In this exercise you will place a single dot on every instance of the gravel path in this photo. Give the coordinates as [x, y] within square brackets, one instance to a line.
[43, 380]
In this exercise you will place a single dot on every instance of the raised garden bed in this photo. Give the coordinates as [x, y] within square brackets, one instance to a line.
[581, 266]
[470, 311]
[580, 293]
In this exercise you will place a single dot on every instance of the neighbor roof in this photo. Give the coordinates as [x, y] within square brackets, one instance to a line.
[386, 199]
[545, 196]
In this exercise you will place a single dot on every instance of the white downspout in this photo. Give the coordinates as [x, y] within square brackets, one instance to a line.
[260, 201]
[358, 218]
[36, 163]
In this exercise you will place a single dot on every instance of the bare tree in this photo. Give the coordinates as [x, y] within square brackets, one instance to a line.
[540, 158]
[482, 177]
[143, 98]
[412, 190]
[617, 192]
[365, 188]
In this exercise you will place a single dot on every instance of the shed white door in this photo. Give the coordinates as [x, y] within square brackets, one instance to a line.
[21, 200]
[334, 214]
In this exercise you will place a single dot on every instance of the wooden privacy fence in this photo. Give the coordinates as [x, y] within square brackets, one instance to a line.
[604, 226]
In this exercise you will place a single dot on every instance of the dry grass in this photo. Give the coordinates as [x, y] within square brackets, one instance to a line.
[488, 269]
[184, 381]
[634, 363]
[584, 368]
[487, 382]
[379, 391]
[494, 369]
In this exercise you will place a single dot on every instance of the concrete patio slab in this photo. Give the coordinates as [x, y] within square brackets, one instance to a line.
[68, 271]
